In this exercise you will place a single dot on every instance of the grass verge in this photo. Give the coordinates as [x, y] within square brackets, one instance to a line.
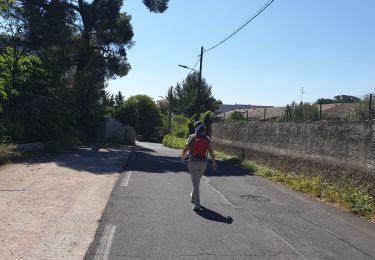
[342, 195]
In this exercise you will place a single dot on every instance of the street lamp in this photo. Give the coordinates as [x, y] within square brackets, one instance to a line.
[199, 79]
[186, 67]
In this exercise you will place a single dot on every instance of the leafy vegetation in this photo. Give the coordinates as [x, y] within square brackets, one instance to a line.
[235, 116]
[361, 110]
[173, 142]
[186, 99]
[304, 112]
[342, 194]
[66, 51]
[141, 112]
[338, 99]
[180, 126]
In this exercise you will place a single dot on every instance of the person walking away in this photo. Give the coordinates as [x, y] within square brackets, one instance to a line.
[198, 144]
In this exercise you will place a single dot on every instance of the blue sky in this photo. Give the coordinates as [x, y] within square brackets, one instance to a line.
[326, 47]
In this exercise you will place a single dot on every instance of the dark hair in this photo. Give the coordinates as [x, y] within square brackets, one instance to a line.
[196, 124]
[199, 127]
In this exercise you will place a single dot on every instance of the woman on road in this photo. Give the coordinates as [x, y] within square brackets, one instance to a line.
[198, 144]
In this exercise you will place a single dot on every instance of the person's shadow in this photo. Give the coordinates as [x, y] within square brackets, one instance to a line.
[213, 215]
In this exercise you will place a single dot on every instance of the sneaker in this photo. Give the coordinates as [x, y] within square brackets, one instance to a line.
[197, 206]
[192, 199]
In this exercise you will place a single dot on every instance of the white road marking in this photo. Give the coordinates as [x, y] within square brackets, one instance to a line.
[105, 244]
[125, 181]
[207, 181]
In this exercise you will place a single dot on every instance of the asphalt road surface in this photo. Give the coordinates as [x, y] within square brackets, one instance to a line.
[150, 216]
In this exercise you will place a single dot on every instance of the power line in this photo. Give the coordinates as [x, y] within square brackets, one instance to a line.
[196, 64]
[264, 7]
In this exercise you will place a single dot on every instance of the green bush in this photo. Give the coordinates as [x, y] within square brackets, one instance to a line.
[173, 142]
[358, 202]
[141, 113]
[179, 126]
[11, 131]
[47, 122]
[236, 116]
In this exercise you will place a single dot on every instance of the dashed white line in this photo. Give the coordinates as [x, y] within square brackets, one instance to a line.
[105, 244]
[125, 181]
[207, 181]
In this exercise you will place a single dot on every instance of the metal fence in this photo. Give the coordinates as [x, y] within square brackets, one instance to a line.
[30, 118]
[15, 107]
[304, 112]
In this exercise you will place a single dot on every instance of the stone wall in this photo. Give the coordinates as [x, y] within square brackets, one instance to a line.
[337, 151]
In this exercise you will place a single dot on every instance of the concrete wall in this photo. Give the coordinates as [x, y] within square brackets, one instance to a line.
[333, 150]
[115, 131]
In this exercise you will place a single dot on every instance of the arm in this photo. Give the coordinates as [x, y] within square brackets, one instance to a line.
[212, 155]
[184, 152]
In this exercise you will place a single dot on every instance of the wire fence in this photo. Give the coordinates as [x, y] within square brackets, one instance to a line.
[361, 110]
[32, 118]
[15, 107]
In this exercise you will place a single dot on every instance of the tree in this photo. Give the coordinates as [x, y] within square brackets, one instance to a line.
[324, 101]
[140, 112]
[304, 112]
[25, 75]
[236, 116]
[11, 37]
[346, 99]
[157, 6]
[186, 96]
[90, 36]
[81, 44]
[119, 99]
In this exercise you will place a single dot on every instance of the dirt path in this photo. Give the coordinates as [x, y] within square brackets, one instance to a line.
[50, 207]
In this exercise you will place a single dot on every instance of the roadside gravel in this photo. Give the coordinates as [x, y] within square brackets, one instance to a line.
[50, 207]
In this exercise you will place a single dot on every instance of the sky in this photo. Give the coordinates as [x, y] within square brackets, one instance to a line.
[326, 48]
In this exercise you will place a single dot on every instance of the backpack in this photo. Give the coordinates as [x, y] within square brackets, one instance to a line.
[199, 147]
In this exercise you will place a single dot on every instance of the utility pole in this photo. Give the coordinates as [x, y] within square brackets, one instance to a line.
[199, 81]
[302, 92]
[170, 100]
[370, 108]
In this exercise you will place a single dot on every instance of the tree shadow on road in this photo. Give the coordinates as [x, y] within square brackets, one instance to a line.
[213, 215]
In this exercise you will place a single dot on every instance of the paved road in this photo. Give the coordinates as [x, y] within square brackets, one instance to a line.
[149, 216]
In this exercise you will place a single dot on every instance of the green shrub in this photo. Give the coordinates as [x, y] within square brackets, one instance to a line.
[330, 192]
[173, 142]
[236, 116]
[358, 202]
[141, 113]
[11, 131]
[179, 126]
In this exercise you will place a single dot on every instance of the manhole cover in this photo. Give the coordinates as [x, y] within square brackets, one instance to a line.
[258, 199]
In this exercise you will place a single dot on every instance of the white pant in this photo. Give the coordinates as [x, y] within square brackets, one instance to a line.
[196, 169]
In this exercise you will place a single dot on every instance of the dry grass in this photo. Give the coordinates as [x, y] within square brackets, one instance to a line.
[8, 152]
[341, 195]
